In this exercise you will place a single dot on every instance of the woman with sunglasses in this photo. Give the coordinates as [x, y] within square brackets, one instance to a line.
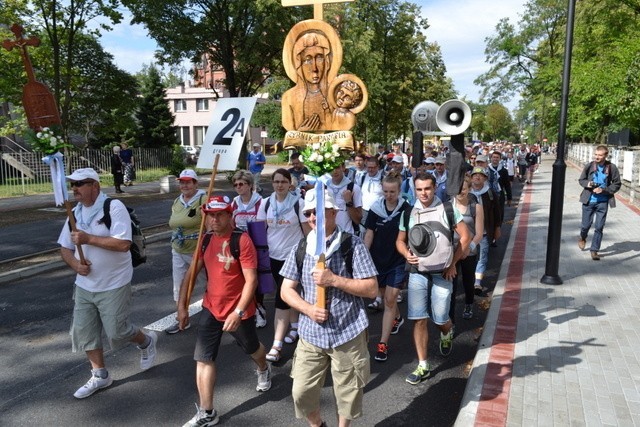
[286, 226]
[185, 220]
[245, 210]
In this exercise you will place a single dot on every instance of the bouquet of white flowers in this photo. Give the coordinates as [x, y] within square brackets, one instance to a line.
[322, 157]
[46, 141]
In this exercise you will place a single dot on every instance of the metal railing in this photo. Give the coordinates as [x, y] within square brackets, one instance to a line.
[24, 172]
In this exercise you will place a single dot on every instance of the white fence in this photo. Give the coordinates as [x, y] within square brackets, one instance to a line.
[23, 172]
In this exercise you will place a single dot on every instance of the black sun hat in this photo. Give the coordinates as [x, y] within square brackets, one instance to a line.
[422, 240]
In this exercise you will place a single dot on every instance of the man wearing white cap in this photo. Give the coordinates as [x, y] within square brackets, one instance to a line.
[256, 161]
[334, 337]
[102, 293]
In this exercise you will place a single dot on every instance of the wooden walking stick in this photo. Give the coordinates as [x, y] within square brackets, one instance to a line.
[321, 294]
[196, 253]
[72, 222]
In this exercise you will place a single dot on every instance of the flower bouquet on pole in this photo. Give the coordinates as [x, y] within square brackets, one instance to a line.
[321, 158]
[48, 141]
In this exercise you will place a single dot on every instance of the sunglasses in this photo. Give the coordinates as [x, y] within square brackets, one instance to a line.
[79, 183]
[239, 184]
[308, 214]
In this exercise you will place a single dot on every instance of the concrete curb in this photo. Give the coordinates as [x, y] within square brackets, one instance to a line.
[33, 270]
[475, 382]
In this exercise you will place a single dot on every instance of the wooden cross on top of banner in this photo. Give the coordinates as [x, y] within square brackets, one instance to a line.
[22, 43]
[317, 5]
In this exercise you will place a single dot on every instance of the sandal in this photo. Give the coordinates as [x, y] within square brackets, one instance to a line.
[274, 354]
[292, 336]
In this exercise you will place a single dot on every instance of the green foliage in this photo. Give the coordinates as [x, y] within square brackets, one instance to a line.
[244, 37]
[177, 160]
[155, 120]
[527, 59]
[384, 45]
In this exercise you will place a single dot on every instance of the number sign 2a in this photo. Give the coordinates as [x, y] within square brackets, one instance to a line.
[226, 134]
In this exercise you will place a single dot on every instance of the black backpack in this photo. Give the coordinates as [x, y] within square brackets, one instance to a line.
[346, 250]
[138, 248]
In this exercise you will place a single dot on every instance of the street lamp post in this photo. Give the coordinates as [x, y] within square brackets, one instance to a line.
[551, 276]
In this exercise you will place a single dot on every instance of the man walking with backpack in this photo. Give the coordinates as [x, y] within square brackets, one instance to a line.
[600, 180]
[426, 242]
[102, 293]
[228, 306]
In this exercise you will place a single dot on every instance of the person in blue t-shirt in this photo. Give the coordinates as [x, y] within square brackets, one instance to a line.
[256, 161]
[600, 180]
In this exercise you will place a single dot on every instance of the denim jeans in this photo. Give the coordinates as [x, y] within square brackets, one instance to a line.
[600, 210]
[483, 255]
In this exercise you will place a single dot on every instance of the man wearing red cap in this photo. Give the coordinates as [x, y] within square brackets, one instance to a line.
[228, 305]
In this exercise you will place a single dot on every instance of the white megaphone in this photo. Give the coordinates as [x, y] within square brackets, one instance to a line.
[453, 117]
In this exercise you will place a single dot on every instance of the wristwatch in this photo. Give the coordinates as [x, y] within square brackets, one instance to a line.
[349, 204]
[239, 312]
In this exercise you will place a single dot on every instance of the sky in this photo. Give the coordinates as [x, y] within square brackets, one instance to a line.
[460, 27]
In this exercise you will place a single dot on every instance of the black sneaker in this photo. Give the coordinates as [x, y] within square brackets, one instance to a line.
[381, 355]
[477, 289]
[397, 322]
[420, 374]
[175, 328]
[468, 311]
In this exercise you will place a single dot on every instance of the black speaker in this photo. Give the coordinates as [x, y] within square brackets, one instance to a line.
[623, 137]
[455, 165]
[417, 148]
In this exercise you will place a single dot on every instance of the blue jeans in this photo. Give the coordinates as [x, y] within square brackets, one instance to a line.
[419, 298]
[483, 255]
[599, 209]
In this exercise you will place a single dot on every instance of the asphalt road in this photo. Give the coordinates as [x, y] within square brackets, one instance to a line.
[40, 373]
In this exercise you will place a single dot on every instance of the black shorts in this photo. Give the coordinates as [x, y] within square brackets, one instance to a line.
[209, 335]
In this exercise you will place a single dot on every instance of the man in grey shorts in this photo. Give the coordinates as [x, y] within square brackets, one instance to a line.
[102, 293]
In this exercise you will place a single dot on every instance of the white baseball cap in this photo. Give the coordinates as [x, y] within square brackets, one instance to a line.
[84, 173]
[188, 174]
[310, 201]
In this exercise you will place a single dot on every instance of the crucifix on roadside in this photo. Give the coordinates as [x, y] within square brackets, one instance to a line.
[39, 104]
[317, 5]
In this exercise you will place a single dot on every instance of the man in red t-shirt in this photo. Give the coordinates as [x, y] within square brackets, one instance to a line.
[228, 303]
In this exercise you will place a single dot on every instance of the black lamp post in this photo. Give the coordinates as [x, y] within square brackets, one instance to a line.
[551, 276]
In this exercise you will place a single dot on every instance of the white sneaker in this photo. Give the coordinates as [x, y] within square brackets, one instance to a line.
[148, 355]
[264, 379]
[261, 317]
[201, 419]
[94, 384]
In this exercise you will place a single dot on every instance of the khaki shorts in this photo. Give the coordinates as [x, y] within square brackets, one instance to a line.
[95, 311]
[350, 369]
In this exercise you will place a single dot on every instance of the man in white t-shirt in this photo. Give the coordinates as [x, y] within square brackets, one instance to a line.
[348, 198]
[102, 293]
[370, 185]
[397, 151]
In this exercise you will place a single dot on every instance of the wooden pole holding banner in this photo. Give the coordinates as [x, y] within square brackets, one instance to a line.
[72, 222]
[321, 294]
[196, 253]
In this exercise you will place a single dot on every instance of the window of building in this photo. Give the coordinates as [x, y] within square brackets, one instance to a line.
[202, 104]
[179, 105]
[183, 135]
[199, 133]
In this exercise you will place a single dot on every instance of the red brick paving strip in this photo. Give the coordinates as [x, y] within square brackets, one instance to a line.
[494, 399]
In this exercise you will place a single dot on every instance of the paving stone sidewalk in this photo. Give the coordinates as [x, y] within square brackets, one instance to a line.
[565, 354]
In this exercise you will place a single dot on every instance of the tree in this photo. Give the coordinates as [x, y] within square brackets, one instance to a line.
[155, 120]
[385, 46]
[63, 24]
[244, 37]
[103, 97]
[499, 124]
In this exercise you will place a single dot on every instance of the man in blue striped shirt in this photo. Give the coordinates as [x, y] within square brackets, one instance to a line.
[334, 337]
